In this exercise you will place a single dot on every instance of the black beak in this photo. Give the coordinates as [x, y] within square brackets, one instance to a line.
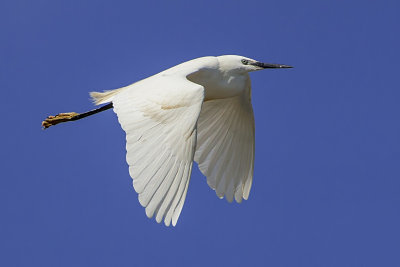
[270, 66]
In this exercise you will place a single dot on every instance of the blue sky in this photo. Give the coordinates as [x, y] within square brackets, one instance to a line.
[326, 188]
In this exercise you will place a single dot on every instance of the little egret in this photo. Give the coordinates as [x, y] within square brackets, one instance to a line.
[199, 110]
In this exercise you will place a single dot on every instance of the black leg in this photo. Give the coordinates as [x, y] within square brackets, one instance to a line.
[72, 116]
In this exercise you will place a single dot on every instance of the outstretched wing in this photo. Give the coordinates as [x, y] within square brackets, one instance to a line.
[159, 116]
[225, 145]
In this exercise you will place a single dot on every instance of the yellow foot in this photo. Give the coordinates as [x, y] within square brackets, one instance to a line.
[59, 118]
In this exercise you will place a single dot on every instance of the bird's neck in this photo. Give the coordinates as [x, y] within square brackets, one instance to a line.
[219, 84]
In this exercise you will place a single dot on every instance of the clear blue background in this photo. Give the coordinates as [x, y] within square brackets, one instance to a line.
[326, 188]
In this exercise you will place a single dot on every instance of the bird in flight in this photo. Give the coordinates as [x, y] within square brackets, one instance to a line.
[200, 111]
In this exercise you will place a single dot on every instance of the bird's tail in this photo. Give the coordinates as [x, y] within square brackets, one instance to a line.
[104, 97]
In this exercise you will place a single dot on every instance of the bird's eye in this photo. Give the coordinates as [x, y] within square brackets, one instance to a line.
[245, 61]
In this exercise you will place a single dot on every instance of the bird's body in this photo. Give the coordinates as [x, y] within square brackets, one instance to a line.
[199, 110]
[217, 82]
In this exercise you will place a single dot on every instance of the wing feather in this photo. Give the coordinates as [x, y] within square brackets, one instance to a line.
[159, 116]
[225, 145]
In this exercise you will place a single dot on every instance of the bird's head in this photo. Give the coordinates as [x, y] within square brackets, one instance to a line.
[239, 64]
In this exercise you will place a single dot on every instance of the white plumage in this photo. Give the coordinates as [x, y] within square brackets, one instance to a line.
[199, 110]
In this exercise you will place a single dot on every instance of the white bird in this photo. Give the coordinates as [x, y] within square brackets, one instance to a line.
[199, 110]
